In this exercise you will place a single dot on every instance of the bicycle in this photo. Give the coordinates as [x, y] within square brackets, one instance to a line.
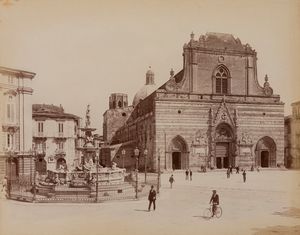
[208, 213]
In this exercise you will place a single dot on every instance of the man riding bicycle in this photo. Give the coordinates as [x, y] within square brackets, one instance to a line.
[215, 201]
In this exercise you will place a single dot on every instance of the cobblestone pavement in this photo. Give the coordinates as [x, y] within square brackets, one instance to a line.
[266, 204]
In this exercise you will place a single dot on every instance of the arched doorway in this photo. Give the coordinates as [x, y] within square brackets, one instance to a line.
[41, 166]
[179, 154]
[266, 152]
[61, 163]
[223, 146]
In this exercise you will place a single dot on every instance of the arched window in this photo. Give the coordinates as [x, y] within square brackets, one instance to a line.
[222, 80]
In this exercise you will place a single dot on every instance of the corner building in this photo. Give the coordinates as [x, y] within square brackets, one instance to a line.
[212, 113]
[15, 122]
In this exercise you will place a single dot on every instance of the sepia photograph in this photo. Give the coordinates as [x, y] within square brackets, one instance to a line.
[149, 117]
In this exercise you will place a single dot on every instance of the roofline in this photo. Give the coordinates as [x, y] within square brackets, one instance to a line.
[295, 103]
[55, 115]
[17, 72]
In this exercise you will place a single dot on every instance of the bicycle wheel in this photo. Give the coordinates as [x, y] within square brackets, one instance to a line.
[218, 212]
[207, 213]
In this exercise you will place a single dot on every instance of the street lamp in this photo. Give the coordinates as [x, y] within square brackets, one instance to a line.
[33, 155]
[136, 153]
[145, 154]
[123, 155]
[97, 170]
[158, 169]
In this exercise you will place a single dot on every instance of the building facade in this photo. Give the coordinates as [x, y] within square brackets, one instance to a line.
[212, 113]
[292, 137]
[15, 122]
[55, 138]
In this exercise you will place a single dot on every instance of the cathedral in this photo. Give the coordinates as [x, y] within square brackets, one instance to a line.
[213, 113]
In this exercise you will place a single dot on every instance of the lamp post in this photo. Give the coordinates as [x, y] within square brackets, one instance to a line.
[136, 153]
[158, 169]
[97, 170]
[34, 170]
[123, 156]
[145, 154]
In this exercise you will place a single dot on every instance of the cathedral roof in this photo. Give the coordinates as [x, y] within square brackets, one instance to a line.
[219, 41]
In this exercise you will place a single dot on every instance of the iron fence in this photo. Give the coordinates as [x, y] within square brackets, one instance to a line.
[27, 188]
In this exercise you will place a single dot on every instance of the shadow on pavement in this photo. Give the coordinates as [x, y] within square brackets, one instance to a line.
[141, 210]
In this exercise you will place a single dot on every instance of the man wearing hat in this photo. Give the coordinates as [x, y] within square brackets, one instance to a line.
[215, 201]
[152, 198]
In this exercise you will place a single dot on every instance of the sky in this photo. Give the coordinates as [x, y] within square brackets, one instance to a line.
[84, 50]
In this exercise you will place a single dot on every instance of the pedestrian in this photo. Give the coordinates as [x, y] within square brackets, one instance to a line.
[4, 186]
[244, 176]
[152, 197]
[230, 168]
[237, 170]
[186, 174]
[171, 180]
[228, 173]
[191, 174]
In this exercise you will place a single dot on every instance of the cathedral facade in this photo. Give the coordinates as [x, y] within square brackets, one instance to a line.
[212, 113]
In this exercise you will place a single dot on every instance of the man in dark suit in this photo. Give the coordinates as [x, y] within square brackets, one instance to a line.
[215, 201]
[152, 197]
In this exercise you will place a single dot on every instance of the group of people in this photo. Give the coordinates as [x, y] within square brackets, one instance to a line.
[188, 173]
[237, 168]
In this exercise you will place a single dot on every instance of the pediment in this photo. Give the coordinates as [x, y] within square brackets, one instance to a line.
[223, 115]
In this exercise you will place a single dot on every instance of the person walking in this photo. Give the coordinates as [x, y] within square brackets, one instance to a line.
[244, 176]
[228, 173]
[191, 175]
[215, 201]
[237, 170]
[186, 174]
[152, 197]
[171, 180]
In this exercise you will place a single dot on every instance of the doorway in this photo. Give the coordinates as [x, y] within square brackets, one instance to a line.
[176, 160]
[264, 158]
[222, 159]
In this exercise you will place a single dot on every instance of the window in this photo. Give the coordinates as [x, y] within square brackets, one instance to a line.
[61, 145]
[10, 142]
[222, 80]
[60, 127]
[10, 111]
[40, 127]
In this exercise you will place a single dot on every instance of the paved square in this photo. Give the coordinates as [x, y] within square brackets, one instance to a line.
[267, 202]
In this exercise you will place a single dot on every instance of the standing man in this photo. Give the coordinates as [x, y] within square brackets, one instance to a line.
[186, 174]
[152, 198]
[244, 176]
[191, 174]
[215, 201]
[171, 180]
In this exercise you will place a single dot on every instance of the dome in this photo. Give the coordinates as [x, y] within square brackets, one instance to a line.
[147, 89]
[143, 93]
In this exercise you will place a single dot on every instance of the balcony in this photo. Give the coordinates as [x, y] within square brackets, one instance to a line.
[60, 152]
[60, 135]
